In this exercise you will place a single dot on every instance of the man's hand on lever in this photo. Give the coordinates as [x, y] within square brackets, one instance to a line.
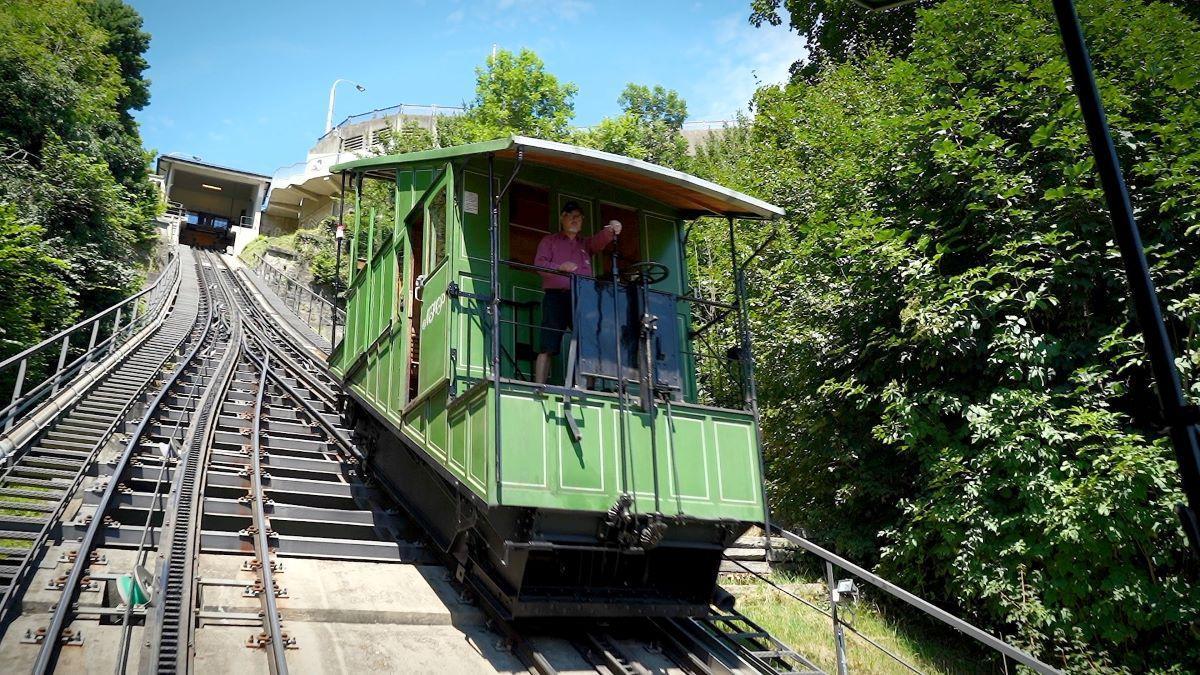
[614, 225]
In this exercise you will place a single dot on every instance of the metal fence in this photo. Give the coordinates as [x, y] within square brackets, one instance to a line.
[315, 310]
[842, 592]
[39, 372]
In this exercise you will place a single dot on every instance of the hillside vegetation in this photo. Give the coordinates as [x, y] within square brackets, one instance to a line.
[967, 404]
[76, 204]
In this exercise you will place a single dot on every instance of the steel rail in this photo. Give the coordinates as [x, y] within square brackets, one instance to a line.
[48, 650]
[262, 545]
[139, 557]
[263, 324]
[175, 547]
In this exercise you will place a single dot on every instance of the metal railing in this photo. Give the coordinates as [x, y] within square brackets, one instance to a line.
[843, 591]
[709, 369]
[40, 371]
[317, 311]
[403, 109]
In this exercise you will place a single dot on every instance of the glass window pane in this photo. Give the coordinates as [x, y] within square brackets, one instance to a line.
[437, 221]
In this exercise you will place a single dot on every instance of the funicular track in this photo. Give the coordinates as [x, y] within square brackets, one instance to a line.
[280, 481]
[725, 641]
[39, 480]
[238, 470]
[87, 451]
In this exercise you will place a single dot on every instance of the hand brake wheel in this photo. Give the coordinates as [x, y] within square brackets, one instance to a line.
[645, 272]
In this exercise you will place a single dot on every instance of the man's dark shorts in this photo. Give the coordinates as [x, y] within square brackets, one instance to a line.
[556, 320]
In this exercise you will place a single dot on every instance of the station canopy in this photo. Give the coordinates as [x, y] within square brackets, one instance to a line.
[691, 195]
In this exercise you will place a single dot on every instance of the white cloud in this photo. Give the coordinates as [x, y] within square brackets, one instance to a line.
[746, 58]
[510, 13]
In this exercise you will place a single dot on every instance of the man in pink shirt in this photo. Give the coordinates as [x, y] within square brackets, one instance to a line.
[565, 251]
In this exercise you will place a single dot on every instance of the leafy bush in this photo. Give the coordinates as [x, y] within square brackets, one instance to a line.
[72, 169]
[969, 405]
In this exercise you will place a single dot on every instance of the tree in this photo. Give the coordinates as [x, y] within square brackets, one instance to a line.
[967, 402]
[513, 95]
[127, 43]
[648, 127]
[72, 169]
[840, 30]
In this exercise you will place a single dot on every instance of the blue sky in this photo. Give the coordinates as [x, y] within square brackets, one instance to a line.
[246, 83]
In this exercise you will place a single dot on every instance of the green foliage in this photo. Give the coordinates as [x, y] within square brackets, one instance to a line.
[840, 30]
[36, 299]
[514, 94]
[967, 401]
[72, 168]
[648, 128]
[410, 137]
[126, 42]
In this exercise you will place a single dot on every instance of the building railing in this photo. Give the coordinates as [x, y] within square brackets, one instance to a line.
[39, 372]
[317, 311]
[415, 110]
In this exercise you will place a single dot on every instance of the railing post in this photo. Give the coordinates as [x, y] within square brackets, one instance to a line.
[62, 360]
[839, 635]
[17, 391]
[116, 332]
[92, 340]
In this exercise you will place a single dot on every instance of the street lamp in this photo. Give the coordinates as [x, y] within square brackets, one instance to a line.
[1182, 419]
[332, 93]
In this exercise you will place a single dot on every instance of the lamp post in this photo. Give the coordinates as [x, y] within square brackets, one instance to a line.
[332, 95]
[1182, 419]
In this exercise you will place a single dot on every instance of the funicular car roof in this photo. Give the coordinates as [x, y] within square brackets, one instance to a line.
[691, 195]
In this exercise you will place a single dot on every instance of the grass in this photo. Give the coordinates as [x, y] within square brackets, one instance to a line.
[255, 249]
[26, 500]
[810, 632]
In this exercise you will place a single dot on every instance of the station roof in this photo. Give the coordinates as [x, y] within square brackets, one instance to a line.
[202, 166]
[689, 194]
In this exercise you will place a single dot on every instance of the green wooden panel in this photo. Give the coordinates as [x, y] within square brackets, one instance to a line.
[437, 432]
[460, 434]
[638, 463]
[688, 458]
[479, 456]
[476, 237]
[525, 428]
[414, 421]
[582, 464]
[471, 328]
[737, 463]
